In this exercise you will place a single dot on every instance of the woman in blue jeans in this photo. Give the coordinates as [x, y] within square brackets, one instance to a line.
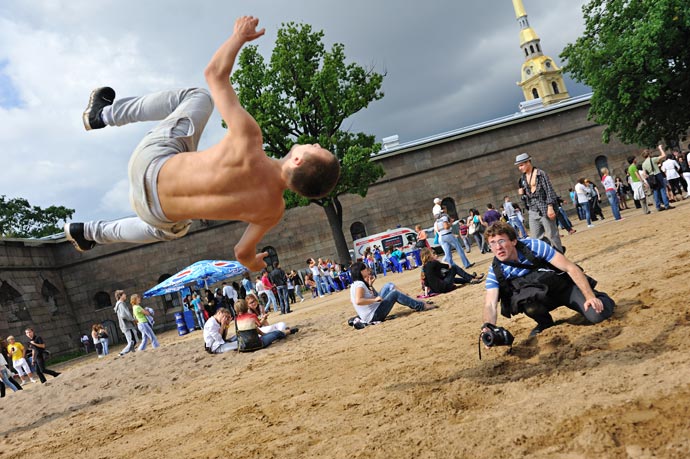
[373, 306]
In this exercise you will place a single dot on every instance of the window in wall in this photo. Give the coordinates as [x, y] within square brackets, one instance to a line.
[535, 93]
[271, 258]
[531, 49]
[357, 230]
[599, 162]
[49, 293]
[12, 304]
[169, 300]
[449, 204]
[554, 85]
[102, 300]
[538, 48]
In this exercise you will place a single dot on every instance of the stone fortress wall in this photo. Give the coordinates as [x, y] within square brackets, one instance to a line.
[60, 292]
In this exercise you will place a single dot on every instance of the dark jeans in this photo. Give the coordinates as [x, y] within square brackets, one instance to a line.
[457, 275]
[40, 369]
[574, 299]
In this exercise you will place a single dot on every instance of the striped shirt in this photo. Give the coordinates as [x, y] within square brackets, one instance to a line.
[540, 249]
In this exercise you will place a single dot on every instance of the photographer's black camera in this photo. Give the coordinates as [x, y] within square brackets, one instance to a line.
[496, 336]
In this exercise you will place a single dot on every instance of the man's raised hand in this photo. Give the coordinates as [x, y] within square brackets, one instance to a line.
[245, 28]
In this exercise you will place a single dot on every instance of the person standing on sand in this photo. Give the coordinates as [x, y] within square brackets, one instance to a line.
[141, 315]
[541, 199]
[126, 321]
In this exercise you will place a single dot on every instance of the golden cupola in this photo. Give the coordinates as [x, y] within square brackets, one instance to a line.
[541, 77]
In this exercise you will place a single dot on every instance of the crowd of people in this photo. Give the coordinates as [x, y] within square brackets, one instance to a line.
[20, 363]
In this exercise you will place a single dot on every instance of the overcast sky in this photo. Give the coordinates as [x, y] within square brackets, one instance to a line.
[449, 64]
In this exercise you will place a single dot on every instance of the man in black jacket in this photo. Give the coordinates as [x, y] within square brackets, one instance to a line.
[279, 279]
[38, 350]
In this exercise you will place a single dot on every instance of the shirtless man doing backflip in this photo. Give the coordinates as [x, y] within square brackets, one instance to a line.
[230, 174]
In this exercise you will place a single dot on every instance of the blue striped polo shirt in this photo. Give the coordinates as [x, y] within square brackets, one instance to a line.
[540, 249]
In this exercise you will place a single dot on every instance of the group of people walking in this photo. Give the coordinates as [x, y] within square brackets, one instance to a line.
[19, 362]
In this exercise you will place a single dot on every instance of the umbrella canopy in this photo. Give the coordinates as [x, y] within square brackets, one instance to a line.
[208, 271]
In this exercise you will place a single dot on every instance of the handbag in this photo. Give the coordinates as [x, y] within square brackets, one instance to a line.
[248, 340]
[652, 181]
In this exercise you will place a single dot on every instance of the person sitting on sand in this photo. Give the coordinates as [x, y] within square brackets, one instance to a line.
[372, 306]
[441, 277]
[215, 333]
[262, 319]
[248, 324]
[529, 276]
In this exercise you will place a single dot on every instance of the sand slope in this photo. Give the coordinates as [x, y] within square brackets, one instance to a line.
[412, 387]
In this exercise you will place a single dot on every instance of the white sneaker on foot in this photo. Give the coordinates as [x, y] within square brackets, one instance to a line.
[302, 300]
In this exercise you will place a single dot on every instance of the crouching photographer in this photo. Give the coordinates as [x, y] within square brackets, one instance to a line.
[528, 276]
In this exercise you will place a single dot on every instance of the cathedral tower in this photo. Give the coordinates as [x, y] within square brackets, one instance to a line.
[541, 77]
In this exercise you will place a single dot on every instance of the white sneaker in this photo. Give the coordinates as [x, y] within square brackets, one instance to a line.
[33, 380]
[302, 300]
[590, 226]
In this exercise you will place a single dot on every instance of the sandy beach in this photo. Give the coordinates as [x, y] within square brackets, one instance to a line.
[412, 387]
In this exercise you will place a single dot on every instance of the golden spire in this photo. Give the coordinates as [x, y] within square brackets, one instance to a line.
[519, 9]
[541, 77]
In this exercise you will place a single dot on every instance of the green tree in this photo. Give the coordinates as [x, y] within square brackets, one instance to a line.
[634, 54]
[21, 220]
[304, 96]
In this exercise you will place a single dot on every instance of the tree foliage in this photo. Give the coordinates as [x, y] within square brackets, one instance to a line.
[634, 54]
[304, 95]
[19, 219]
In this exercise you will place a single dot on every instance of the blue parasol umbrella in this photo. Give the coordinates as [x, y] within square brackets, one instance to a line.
[207, 271]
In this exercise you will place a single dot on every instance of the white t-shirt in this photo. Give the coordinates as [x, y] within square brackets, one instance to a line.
[669, 167]
[608, 183]
[581, 191]
[366, 312]
[509, 209]
[230, 292]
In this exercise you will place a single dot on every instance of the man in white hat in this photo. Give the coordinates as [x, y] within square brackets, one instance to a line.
[541, 199]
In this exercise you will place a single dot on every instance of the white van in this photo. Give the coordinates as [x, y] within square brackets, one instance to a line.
[402, 238]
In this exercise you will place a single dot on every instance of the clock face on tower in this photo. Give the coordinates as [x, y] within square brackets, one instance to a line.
[547, 64]
[528, 72]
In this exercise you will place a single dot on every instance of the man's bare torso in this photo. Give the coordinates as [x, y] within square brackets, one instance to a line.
[232, 180]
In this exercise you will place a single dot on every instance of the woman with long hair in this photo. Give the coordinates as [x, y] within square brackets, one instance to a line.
[441, 277]
[372, 306]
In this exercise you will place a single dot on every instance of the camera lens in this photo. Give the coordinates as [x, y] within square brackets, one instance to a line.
[488, 338]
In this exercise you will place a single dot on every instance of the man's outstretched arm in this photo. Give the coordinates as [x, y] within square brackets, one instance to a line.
[217, 76]
[245, 249]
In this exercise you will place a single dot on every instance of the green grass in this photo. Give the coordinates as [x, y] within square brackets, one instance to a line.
[66, 357]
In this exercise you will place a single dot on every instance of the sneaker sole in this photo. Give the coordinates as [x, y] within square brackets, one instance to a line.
[70, 238]
[87, 112]
[89, 107]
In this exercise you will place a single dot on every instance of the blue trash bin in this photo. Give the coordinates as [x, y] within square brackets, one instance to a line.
[190, 320]
[181, 325]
